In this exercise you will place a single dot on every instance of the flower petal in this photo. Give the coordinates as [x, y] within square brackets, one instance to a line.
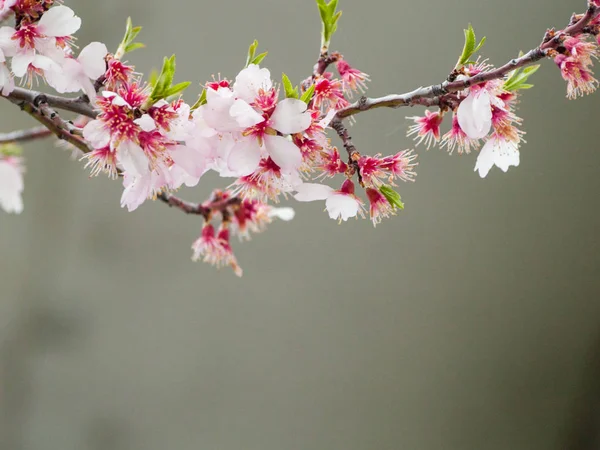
[92, 59]
[95, 132]
[245, 115]
[59, 21]
[132, 158]
[290, 116]
[286, 214]
[341, 206]
[250, 80]
[475, 115]
[244, 157]
[283, 152]
[308, 192]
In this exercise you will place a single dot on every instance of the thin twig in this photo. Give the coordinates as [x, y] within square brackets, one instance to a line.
[204, 210]
[25, 135]
[419, 95]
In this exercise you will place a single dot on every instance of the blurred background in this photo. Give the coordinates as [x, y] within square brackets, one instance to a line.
[470, 321]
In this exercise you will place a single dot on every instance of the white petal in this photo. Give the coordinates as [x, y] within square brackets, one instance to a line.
[20, 62]
[92, 60]
[11, 187]
[244, 157]
[250, 80]
[66, 78]
[283, 152]
[146, 122]
[191, 161]
[290, 116]
[6, 81]
[216, 111]
[96, 134]
[285, 214]
[137, 189]
[132, 158]
[341, 206]
[244, 114]
[59, 21]
[309, 192]
[7, 44]
[485, 159]
[42, 62]
[475, 115]
[506, 154]
[88, 87]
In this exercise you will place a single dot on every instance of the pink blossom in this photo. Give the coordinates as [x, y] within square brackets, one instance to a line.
[352, 79]
[426, 128]
[379, 206]
[215, 250]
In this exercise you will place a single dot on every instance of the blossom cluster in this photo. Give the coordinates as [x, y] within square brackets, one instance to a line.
[486, 111]
[269, 139]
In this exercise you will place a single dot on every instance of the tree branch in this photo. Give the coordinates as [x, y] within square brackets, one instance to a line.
[25, 135]
[73, 104]
[422, 94]
[219, 205]
[61, 131]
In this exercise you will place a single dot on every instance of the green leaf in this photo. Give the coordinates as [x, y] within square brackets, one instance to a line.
[252, 58]
[259, 58]
[178, 88]
[127, 45]
[308, 94]
[163, 86]
[329, 18]
[470, 48]
[290, 90]
[201, 100]
[391, 196]
[517, 79]
[134, 46]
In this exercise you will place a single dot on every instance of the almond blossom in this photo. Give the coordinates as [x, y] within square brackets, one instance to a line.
[11, 184]
[499, 152]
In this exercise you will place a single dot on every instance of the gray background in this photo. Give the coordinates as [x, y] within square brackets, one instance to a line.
[471, 321]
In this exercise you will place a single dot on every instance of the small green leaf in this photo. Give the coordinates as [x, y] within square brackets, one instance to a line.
[470, 48]
[259, 58]
[201, 100]
[178, 88]
[290, 90]
[134, 46]
[251, 52]
[127, 45]
[517, 79]
[163, 86]
[308, 94]
[391, 196]
[329, 19]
